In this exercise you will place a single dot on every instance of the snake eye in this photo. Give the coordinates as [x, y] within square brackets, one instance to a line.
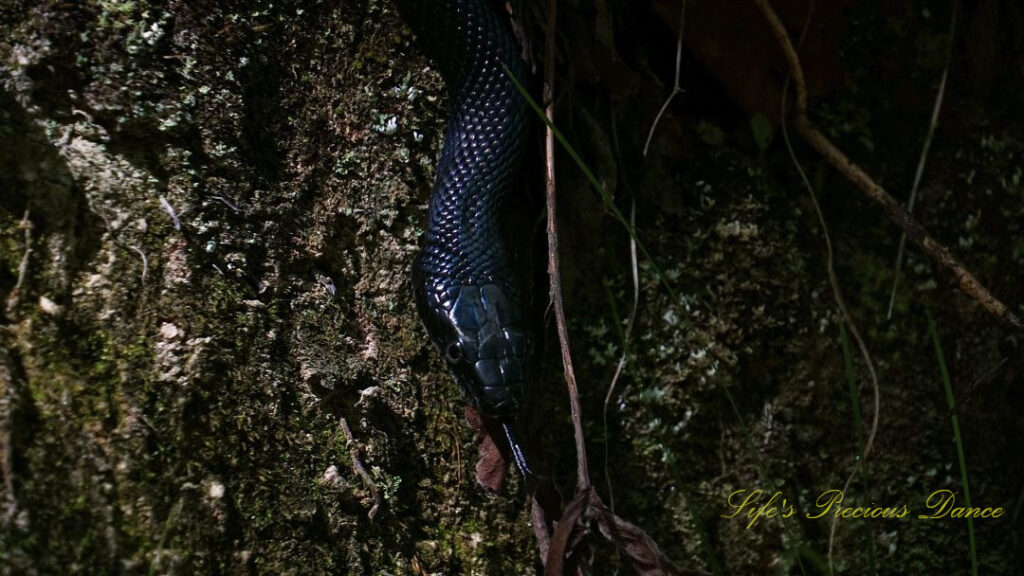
[453, 352]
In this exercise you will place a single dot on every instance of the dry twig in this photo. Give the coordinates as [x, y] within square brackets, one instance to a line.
[15, 294]
[145, 261]
[631, 320]
[911, 227]
[357, 465]
[171, 212]
[555, 293]
[837, 294]
[586, 511]
[676, 89]
[920, 165]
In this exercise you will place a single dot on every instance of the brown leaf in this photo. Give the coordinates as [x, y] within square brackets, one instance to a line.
[491, 467]
[635, 545]
[587, 511]
[558, 549]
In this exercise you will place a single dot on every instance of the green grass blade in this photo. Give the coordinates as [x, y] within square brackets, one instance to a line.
[852, 386]
[957, 438]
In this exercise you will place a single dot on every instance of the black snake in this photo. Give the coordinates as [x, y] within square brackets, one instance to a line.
[469, 295]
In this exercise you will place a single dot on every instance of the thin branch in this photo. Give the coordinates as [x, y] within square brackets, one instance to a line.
[988, 374]
[227, 203]
[14, 296]
[642, 552]
[836, 290]
[911, 227]
[25, 225]
[582, 471]
[171, 212]
[357, 465]
[145, 262]
[675, 87]
[837, 294]
[635, 269]
[172, 517]
[920, 165]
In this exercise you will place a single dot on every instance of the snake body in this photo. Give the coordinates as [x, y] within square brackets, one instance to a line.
[467, 291]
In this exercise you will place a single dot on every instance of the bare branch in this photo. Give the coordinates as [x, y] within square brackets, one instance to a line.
[911, 227]
[837, 294]
[582, 471]
[171, 212]
[920, 166]
[675, 87]
[635, 269]
[357, 465]
[145, 261]
[14, 296]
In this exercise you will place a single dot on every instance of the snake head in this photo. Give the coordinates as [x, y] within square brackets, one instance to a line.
[480, 333]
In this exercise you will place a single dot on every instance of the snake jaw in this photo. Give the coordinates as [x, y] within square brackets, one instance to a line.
[480, 333]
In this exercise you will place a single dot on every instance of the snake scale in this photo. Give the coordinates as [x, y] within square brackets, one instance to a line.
[468, 293]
